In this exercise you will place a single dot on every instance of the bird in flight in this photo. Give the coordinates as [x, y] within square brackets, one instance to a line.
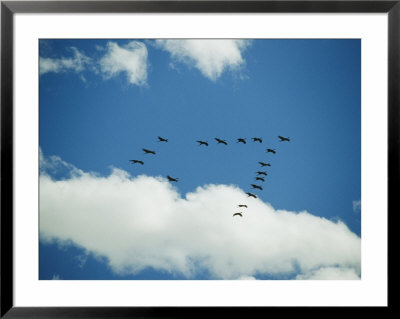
[171, 179]
[262, 173]
[237, 214]
[260, 179]
[160, 139]
[136, 161]
[284, 139]
[242, 205]
[251, 195]
[264, 164]
[241, 140]
[256, 186]
[202, 143]
[148, 151]
[221, 141]
[270, 150]
[257, 139]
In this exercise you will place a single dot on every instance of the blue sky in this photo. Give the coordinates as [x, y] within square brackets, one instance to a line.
[102, 101]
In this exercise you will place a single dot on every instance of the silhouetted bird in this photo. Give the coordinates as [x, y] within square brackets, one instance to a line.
[251, 195]
[260, 179]
[241, 140]
[242, 205]
[256, 186]
[172, 179]
[137, 161]
[270, 150]
[262, 173]
[237, 214]
[264, 164]
[284, 139]
[162, 139]
[221, 141]
[202, 143]
[148, 151]
[257, 139]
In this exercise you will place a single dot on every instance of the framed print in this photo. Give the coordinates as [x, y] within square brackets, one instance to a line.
[180, 158]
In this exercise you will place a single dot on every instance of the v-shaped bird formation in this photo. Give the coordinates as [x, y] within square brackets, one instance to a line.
[221, 141]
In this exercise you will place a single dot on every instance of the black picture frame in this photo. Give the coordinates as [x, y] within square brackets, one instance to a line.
[9, 8]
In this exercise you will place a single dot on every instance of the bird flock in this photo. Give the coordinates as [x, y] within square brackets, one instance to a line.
[260, 177]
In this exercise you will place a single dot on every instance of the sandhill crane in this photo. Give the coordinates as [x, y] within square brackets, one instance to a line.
[148, 151]
[260, 179]
[221, 141]
[256, 186]
[262, 173]
[264, 164]
[171, 179]
[202, 143]
[241, 140]
[282, 139]
[242, 205]
[270, 150]
[257, 139]
[136, 161]
[251, 195]
[237, 214]
[160, 139]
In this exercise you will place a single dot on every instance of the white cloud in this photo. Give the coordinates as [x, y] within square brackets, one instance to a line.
[56, 277]
[330, 273]
[144, 222]
[356, 206]
[130, 59]
[211, 57]
[246, 278]
[54, 164]
[77, 63]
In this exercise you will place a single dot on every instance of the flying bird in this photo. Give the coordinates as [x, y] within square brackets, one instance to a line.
[202, 143]
[221, 141]
[260, 179]
[242, 205]
[160, 139]
[264, 164]
[262, 173]
[172, 179]
[241, 140]
[237, 214]
[257, 139]
[148, 151]
[251, 195]
[270, 150]
[136, 161]
[284, 139]
[256, 186]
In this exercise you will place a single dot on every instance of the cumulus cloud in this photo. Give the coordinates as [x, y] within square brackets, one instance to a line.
[55, 165]
[138, 222]
[77, 63]
[130, 59]
[330, 273]
[211, 57]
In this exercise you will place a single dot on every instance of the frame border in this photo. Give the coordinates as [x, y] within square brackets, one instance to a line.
[9, 8]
